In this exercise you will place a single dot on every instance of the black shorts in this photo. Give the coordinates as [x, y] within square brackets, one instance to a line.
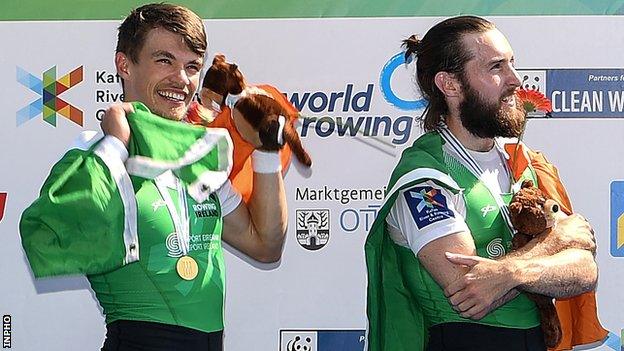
[150, 336]
[477, 337]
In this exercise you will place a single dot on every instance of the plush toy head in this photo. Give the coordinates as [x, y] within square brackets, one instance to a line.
[265, 114]
[531, 213]
[223, 78]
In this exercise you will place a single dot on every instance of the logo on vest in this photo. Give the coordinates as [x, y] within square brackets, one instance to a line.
[173, 246]
[205, 210]
[196, 242]
[427, 205]
[487, 209]
[495, 248]
[158, 204]
[312, 228]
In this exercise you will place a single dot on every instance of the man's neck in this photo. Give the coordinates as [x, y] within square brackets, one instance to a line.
[468, 140]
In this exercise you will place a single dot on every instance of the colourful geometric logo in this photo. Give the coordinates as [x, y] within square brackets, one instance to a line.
[427, 205]
[617, 218]
[49, 88]
[3, 197]
[427, 198]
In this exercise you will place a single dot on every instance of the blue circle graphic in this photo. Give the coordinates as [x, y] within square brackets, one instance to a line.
[386, 89]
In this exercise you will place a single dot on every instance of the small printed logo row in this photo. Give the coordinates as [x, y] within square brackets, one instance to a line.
[322, 340]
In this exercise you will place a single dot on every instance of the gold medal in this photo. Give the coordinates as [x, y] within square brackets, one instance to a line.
[187, 268]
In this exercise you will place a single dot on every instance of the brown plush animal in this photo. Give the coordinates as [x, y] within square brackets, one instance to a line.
[225, 85]
[532, 214]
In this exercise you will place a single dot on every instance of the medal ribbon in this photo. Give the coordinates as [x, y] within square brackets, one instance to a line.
[476, 170]
[180, 220]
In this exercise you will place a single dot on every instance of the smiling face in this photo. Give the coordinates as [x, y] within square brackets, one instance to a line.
[165, 75]
[488, 107]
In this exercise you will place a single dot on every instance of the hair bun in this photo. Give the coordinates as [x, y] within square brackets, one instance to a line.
[412, 46]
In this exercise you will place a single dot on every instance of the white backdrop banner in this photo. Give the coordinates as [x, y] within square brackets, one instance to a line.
[345, 75]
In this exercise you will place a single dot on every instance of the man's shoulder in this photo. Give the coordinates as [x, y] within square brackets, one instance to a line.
[86, 139]
[421, 162]
[425, 152]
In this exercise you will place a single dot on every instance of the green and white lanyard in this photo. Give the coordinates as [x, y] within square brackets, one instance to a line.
[181, 219]
[476, 170]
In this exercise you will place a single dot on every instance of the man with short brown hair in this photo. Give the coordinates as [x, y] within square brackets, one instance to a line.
[169, 292]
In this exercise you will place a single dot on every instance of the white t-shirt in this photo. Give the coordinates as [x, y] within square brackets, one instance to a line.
[409, 228]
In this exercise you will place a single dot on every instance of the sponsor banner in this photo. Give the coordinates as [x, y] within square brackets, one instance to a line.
[3, 199]
[312, 228]
[617, 218]
[579, 92]
[89, 9]
[48, 89]
[353, 210]
[321, 340]
[101, 9]
[361, 111]
[349, 112]
[358, 219]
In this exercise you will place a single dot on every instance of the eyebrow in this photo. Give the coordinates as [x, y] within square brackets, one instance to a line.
[164, 53]
[167, 54]
[499, 60]
[199, 62]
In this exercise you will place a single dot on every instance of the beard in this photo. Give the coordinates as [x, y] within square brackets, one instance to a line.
[485, 119]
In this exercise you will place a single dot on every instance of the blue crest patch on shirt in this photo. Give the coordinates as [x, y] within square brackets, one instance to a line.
[427, 204]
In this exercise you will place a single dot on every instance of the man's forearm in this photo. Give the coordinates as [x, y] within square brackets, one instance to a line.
[268, 211]
[537, 247]
[566, 273]
[571, 232]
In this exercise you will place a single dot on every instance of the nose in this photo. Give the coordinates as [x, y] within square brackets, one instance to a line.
[181, 77]
[514, 78]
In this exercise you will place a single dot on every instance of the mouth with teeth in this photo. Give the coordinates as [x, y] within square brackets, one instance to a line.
[172, 96]
[509, 100]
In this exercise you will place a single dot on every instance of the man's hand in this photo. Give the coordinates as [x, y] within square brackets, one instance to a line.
[510, 295]
[477, 292]
[571, 232]
[115, 123]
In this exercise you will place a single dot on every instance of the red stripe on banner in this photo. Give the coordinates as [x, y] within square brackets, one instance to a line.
[3, 197]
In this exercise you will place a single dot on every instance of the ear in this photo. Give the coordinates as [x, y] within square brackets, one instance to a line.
[218, 58]
[447, 83]
[122, 63]
[527, 183]
[515, 207]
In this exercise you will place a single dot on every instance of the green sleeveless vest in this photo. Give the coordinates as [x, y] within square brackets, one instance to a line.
[403, 299]
[151, 289]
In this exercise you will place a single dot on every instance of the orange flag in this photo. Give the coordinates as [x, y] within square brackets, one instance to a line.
[578, 315]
